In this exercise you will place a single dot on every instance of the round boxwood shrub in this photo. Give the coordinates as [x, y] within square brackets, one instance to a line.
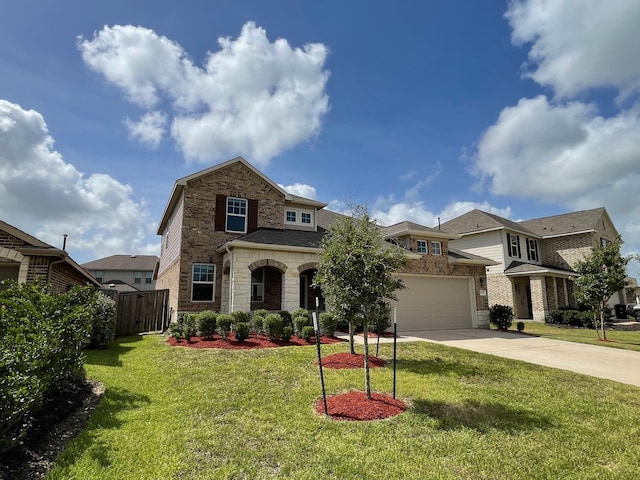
[257, 324]
[287, 332]
[224, 321]
[307, 333]
[240, 316]
[206, 323]
[299, 323]
[242, 331]
[501, 316]
[328, 324]
[287, 318]
[273, 326]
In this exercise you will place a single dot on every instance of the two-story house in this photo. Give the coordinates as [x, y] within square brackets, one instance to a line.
[232, 239]
[535, 259]
[125, 272]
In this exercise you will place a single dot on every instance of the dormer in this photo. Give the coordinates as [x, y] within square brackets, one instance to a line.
[420, 239]
[301, 213]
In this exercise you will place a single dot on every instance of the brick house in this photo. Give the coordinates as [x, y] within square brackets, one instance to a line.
[535, 259]
[232, 239]
[25, 259]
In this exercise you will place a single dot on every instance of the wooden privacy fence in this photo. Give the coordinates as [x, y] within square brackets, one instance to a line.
[138, 312]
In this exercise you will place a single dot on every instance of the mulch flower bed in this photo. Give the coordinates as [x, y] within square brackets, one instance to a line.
[355, 406]
[350, 360]
[254, 341]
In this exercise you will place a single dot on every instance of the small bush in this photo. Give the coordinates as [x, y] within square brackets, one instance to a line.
[501, 316]
[188, 326]
[300, 312]
[240, 316]
[520, 326]
[571, 317]
[103, 312]
[260, 313]
[175, 330]
[206, 323]
[242, 331]
[273, 326]
[287, 332]
[299, 323]
[257, 323]
[224, 322]
[328, 324]
[307, 333]
[287, 318]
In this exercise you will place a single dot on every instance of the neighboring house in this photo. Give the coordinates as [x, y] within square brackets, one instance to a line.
[535, 259]
[232, 239]
[25, 259]
[125, 272]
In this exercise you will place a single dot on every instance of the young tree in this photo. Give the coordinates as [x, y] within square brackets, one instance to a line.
[602, 273]
[356, 272]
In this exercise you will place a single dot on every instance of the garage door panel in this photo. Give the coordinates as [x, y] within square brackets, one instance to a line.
[432, 303]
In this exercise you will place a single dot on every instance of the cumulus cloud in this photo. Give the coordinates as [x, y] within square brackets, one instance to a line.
[42, 194]
[301, 189]
[577, 45]
[149, 130]
[252, 97]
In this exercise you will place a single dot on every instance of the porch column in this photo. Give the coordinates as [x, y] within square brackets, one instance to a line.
[539, 303]
[240, 286]
[290, 289]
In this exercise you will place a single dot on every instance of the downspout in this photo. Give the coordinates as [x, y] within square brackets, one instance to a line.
[230, 279]
[62, 259]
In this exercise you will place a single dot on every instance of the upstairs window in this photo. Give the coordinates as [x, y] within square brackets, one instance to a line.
[99, 274]
[421, 246]
[148, 277]
[236, 215]
[291, 216]
[305, 217]
[604, 242]
[137, 277]
[298, 217]
[532, 249]
[514, 245]
[202, 284]
[436, 248]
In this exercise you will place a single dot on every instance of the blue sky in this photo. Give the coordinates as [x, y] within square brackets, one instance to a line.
[418, 109]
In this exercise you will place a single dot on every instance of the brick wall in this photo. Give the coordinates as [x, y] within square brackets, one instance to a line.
[500, 290]
[9, 241]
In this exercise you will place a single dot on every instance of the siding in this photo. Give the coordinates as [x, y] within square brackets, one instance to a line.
[174, 226]
[489, 245]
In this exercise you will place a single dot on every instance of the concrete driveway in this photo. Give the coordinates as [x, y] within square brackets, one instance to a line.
[604, 362]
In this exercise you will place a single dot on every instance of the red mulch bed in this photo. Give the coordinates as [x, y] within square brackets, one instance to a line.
[350, 360]
[253, 341]
[355, 406]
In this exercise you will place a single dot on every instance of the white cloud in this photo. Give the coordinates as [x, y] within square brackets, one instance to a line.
[149, 130]
[252, 97]
[301, 189]
[578, 45]
[45, 196]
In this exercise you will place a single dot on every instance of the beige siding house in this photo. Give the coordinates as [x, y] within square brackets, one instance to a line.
[232, 239]
[25, 259]
[125, 273]
[535, 259]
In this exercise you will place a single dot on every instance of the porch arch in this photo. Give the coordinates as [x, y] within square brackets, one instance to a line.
[268, 262]
[308, 266]
[17, 257]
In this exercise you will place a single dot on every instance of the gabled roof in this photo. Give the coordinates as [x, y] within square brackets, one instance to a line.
[516, 268]
[567, 223]
[411, 228]
[324, 218]
[182, 182]
[123, 262]
[458, 256]
[33, 246]
[477, 221]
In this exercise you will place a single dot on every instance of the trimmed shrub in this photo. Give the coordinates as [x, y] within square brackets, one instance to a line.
[299, 323]
[328, 324]
[224, 322]
[257, 324]
[240, 316]
[287, 332]
[175, 330]
[520, 326]
[307, 333]
[103, 325]
[206, 323]
[501, 316]
[242, 331]
[260, 313]
[188, 326]
[273, 326]
[571, 317]
[287, 318]
[300, 312]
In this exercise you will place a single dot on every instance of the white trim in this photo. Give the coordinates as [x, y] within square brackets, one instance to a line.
[238, 215]
[212, 283]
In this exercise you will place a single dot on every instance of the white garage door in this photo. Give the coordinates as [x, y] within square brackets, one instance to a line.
[433, 303]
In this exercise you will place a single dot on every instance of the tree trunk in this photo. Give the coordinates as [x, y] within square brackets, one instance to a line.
[352, 330]
[604, 334]
[367, 380]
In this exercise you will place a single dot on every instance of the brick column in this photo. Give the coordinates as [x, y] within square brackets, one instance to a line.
[538, 297]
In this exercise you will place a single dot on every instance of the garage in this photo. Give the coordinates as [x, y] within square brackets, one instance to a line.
[429, 303]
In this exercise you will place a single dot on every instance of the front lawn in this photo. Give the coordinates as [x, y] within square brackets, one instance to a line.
[628, 340]
[182, 413]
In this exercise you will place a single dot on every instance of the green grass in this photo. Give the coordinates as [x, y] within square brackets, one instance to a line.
[629, 340]
[180, 413]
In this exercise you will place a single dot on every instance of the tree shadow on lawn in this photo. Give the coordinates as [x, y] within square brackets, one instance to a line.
[105, 417]
[440, 366]
[482, 417]
[110, 357]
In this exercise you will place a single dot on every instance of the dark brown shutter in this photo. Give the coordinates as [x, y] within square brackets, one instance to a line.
[519, 251]
[221, 213]
[528, 248]
[252, 216]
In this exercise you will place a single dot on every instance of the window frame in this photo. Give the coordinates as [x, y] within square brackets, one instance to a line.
[421, 246]
[231, 203]
[439, 244]
[99, 276]
[293, 214]
[308, 215]
[137, 277]
[532, 250]
[513, 241]
[300, 215]
[148, 277]
[211, 282]
[259, 286]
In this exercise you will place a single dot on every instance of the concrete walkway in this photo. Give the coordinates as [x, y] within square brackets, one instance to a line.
[604, 362]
